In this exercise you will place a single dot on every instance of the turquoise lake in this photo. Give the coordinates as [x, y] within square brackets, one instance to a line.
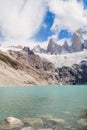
[62, 102]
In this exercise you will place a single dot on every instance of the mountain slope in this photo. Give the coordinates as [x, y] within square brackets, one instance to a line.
[14, 72]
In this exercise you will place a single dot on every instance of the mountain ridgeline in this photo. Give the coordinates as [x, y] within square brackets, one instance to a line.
[24, 67]
[79, 43]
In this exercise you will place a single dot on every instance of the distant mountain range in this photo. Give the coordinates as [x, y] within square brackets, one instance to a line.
[79, 44]
[22, 66]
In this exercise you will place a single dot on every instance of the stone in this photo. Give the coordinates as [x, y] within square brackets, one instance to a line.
[13, 122]
[27, 128]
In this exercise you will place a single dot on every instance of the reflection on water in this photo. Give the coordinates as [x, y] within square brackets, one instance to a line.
[68, 103]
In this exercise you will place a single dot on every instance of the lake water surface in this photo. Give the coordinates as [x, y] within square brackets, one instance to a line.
[62, 102]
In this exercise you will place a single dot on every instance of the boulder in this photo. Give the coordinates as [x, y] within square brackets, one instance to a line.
[12, 122]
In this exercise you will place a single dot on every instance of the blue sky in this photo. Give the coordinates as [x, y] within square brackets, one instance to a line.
[25, 20]
[45, 30]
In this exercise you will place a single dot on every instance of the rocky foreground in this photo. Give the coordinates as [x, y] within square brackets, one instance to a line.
[24, 68]
[44, 123]
[39, 123]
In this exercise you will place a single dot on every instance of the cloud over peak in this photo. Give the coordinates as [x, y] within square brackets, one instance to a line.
[20, 19]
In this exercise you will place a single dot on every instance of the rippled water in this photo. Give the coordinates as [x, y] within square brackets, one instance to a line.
[65, 102]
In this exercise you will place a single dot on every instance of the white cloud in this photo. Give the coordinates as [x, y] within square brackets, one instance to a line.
[21, 19]
[69, 14]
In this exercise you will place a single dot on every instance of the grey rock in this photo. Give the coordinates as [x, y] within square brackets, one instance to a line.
[77, 74]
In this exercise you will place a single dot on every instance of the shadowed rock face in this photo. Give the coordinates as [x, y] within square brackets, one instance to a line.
[77, 74]
[27, 50]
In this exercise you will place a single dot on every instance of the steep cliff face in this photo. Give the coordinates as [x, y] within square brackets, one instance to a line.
[77, 43]
[80, 40]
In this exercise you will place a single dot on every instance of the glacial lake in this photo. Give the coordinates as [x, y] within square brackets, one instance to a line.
[62, 102]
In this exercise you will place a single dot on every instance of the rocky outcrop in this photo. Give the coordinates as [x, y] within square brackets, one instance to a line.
[27, 50]
[76, 74]
[53, 47]
[38, 49]
[66, 48]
